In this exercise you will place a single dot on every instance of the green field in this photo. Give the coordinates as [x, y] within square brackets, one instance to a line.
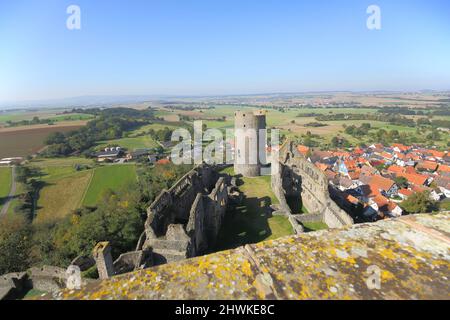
[131, 144]
[5, 183]
[70, 117]
[44, 114]
[108, 177]
[62, 192]
[251, 222]
[154, 126]
[63, 186]
[60, 162]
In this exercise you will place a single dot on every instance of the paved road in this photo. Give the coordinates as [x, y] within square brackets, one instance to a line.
[12, 192]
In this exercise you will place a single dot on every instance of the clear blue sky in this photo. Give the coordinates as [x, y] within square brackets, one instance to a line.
[220, 47]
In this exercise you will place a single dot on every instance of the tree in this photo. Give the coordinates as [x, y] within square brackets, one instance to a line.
[15, 244]
[54, 138]
[116, 219]
[419, 202]
[402, 182]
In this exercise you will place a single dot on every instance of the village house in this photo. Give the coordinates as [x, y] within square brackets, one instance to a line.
[425, 165]
[443, 184]
[383, 185]
[109, 154]
[366, 176]
[10, 161]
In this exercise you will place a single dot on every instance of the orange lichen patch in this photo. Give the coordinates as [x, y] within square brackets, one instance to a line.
[412, 255]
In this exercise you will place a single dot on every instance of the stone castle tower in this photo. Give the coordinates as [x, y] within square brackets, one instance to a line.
[249, 141]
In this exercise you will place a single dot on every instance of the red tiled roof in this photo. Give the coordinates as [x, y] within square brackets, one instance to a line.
[343, 154]
[163, 161]
[400, 156]
[350, 164]
[417, 188]
[391, 206]
[378, 146]
[406, 192]
[444, 168]
[436, 153]
[396, 169]
[369, 191]
[381, 201]
[427, 165]
[381, 183]
[351, 198]
[303, 149]
[401, 147]
[386, 155]
[368, 170]
[418, 179]
[410, 170]
[358, 151]
[354, 175]
[330, 174]
[413, 156]
[321, 166]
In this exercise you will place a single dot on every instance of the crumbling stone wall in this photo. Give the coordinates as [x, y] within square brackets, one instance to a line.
[294, 175]
[184, 221]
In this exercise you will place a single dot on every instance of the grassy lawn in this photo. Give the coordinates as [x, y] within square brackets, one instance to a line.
[314, 226]
[108, 177]
[60, 162]
[445, 205]
[249, 223]
[154, 126]
[63, 186]
[62, 192]
[71, 117]
[131, 143]
[5, 183]
[15, 201]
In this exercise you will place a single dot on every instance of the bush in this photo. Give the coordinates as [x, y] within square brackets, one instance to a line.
[15, 244]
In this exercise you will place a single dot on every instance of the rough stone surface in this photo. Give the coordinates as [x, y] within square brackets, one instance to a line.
[412, 254]
[184, 221]
[250, 139]
[297, 177]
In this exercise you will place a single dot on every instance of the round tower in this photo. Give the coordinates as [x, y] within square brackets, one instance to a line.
[249, 142]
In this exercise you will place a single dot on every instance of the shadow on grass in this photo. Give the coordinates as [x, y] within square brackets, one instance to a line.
[295, 204]
[245, 224]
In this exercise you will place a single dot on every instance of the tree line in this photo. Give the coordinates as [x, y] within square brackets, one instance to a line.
[109, 124]
[118, 218]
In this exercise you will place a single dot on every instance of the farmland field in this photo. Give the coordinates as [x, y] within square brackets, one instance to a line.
[5, 183]
[55, 115]
[24, 141]
[108, 177]
[70, 117]
[131, 144]
[60, 162]
[154, 126]
[63, 192]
